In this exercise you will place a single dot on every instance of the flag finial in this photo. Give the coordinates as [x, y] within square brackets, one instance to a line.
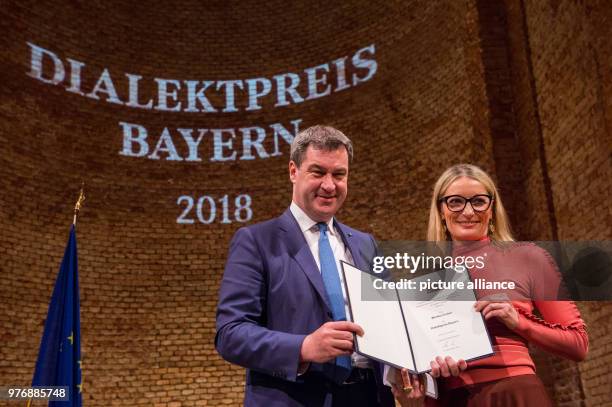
[77, 206]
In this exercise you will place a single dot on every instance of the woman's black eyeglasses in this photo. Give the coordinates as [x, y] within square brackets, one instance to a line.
[457, 203]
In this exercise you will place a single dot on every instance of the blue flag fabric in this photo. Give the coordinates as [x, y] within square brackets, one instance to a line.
[59, 357]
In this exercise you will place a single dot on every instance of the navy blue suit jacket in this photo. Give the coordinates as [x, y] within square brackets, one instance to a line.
[272, 296]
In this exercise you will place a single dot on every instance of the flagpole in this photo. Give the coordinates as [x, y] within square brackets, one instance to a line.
[51, 368]
[77, 206]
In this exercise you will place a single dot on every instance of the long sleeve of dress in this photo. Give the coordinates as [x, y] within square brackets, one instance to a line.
[560, 329]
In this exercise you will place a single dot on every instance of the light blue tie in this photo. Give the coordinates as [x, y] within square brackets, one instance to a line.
[331, 280]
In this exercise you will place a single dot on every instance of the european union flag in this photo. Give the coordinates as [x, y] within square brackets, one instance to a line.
[59, 357]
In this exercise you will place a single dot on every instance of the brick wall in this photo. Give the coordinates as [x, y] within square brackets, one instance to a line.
[570, 44]
[544, 66]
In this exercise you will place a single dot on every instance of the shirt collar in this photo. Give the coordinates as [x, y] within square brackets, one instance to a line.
[469, 246]
[305, 222]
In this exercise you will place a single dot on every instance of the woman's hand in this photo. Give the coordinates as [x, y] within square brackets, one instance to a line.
[504, 311]
[411, 391]
[447, 367]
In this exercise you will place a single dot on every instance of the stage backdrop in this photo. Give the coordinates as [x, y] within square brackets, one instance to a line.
[178, 117]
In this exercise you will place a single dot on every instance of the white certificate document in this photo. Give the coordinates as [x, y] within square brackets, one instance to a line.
[410, 334]
[445, 328]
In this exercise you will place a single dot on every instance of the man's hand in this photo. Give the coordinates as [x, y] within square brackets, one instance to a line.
[332, 339]
[408, 388]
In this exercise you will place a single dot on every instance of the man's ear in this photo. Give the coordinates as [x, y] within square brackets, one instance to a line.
[292, 171]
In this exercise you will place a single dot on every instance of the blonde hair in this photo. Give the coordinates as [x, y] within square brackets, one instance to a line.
[435, 229]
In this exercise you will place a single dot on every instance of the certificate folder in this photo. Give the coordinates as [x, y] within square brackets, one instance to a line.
[411, 333]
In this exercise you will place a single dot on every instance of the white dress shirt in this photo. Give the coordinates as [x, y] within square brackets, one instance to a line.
[311, 233]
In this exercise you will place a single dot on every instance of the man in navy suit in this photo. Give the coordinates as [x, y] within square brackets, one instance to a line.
[282, 309]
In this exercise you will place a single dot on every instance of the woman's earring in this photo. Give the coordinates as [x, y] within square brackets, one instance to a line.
[491, 227]
[444, 226]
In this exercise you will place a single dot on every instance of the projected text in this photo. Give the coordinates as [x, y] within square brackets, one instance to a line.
[205, 96]
[205, 209]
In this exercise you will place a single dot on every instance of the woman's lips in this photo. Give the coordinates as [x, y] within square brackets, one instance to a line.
[468, 224]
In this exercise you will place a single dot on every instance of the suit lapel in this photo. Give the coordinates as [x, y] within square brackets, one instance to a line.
[350, 241]
[299, 250]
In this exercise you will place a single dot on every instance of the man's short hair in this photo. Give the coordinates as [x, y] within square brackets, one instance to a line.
[321, 138]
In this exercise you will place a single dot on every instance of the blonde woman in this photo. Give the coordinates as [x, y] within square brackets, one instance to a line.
[466, 207]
